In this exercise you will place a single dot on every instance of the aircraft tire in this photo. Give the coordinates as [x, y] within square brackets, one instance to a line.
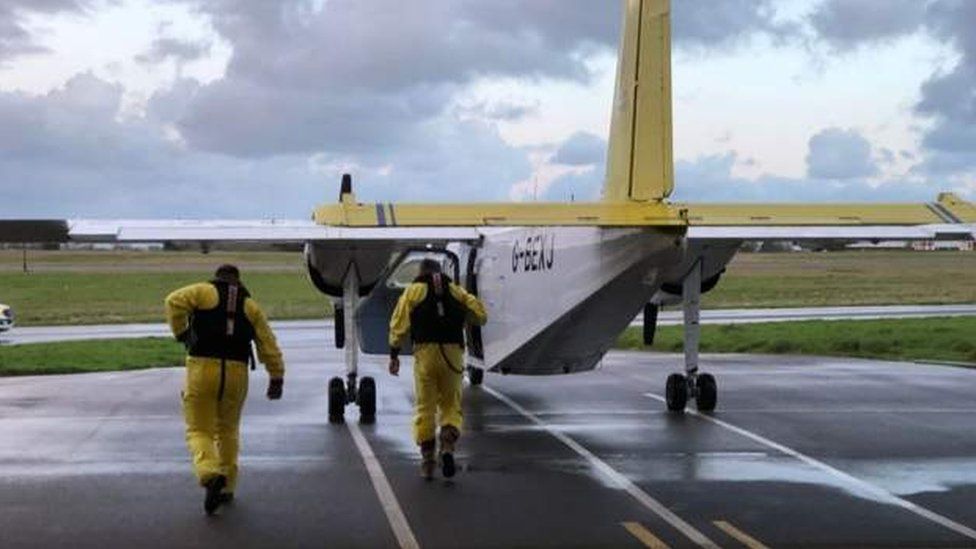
[707, 393]
[476, 376]
[337, 400]
[676, 393]
[367, 400]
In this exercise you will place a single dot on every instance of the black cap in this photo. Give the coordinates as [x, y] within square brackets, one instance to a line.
[429, 266]
[228, 272]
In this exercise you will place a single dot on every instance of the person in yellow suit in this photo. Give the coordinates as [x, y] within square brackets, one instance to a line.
[434, 311]
[217, 321]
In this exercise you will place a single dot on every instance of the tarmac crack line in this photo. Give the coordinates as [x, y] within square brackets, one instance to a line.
[394, 513]
[614, 476]
[875, 491]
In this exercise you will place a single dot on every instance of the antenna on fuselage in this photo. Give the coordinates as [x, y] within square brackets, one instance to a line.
[345, 188]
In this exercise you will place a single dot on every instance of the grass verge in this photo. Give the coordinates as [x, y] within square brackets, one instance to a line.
[73, 287]
[71, 298]
[73, 357]
[929, 339]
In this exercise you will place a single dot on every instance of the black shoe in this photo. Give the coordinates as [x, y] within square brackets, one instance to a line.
[447, 464]
[214, 499]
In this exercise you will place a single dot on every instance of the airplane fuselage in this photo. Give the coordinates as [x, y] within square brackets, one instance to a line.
[557, 297]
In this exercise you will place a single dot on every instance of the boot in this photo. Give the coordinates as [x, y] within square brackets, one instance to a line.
[427, 459]
[449, 436]
[213, 499]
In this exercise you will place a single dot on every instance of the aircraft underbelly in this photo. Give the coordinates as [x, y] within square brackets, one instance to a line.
[558, 297]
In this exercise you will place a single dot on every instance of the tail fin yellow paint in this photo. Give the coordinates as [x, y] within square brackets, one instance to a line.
[640, 166]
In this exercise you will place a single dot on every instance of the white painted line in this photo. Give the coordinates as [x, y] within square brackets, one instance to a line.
[394, 513]
[612, 475]
[874, 491]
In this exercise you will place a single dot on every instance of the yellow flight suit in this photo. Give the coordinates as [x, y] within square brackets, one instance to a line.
[437, 384]
[212, 424]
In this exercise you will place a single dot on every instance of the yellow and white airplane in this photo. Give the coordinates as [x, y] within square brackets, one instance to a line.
[561, 281]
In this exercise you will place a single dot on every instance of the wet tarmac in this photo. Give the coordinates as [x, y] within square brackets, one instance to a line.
[802, 452]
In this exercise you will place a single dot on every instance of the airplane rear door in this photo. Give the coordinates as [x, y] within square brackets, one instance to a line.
[373, 315]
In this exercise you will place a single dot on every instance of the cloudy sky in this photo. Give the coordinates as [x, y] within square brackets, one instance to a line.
[235, 108]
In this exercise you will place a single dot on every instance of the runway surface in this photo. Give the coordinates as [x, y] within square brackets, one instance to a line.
[801, 452]
[302, 330]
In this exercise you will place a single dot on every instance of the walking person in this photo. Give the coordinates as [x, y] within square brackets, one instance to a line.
[217, 321]
[433, 311]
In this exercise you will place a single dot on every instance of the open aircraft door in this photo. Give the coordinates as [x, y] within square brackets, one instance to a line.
[373, 315]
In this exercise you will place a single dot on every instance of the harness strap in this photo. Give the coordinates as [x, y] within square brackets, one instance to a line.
[448, 361]
[231, 308]
[223, 379]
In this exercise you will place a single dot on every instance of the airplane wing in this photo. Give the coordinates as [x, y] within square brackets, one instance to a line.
[257, 231]
[716, 231]
[949, 218]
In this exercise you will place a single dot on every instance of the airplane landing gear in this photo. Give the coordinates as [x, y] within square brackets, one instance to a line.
[701, 387]
[363, 395]
[343, 393]
[476, 376]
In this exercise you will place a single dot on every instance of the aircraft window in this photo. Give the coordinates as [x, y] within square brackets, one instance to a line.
[409, 268]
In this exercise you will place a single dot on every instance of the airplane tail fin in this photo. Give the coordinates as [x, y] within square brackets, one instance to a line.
[640, 165]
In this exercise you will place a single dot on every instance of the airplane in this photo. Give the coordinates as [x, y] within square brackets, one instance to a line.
[560, 281]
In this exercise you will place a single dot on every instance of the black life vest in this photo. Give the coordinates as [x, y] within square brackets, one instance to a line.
[223, 332]
[439, 318]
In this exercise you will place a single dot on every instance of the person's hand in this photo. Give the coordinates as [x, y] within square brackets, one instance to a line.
[394, 366]
[184, 338]
[275, 387]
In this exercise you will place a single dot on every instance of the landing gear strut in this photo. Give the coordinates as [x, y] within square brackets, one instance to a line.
[361, 392]
[692, 384]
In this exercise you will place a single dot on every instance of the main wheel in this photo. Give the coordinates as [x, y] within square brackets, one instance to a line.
[676, 393]
[367, 400]
[707, 393]
[476, 376]
[337, 400]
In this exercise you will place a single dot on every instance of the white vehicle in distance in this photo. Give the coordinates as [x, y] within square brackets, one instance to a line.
[6, 318]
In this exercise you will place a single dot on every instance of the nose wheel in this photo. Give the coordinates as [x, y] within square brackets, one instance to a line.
[362, 394]
[476, 376]
[701, 387]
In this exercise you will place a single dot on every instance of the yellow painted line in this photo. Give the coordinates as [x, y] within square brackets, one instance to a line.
[739, 535]
[645, 536]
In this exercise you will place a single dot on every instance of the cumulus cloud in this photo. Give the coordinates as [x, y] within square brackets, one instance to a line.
[182, 51]
[15, 39]
[847, 24]
[835, 153]
[68, 153]
[581, 149]
[949, 99]
[364, 74]
[706, 25]
[711, 178]
[314, 88]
